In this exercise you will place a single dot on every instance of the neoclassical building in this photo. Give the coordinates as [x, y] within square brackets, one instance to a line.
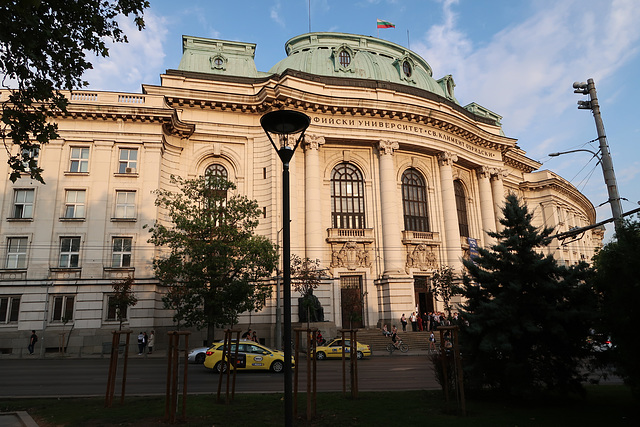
[394, 179]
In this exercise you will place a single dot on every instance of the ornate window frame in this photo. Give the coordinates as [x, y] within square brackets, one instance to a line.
[337, 51]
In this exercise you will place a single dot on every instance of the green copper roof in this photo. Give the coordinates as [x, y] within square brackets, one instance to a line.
[349, 55]
[218, 57]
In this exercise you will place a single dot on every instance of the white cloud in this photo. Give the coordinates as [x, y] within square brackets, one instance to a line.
[275, 14]
[130, 64]
[524, 69]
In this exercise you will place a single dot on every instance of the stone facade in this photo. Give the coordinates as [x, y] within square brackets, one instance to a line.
[393, 180]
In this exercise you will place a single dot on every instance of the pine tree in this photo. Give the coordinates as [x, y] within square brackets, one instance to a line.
[618, 282]
[528, 317]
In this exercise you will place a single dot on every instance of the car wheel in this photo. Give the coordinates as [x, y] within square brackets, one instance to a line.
[320, 355]
[359, 355]
[200, 358]
[277, 366]
[220, 367]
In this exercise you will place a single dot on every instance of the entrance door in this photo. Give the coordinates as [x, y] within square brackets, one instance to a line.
[351, 301]
[423, 294]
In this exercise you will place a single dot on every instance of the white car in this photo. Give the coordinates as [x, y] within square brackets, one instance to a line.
[197, 355]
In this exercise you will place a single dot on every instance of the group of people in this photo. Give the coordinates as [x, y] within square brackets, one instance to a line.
[427, 322]
[250, 335]
[146, 342]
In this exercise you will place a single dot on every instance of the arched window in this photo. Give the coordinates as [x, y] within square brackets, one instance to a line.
[347, 197]
[461, 207]
[414, 201]
[216, 170]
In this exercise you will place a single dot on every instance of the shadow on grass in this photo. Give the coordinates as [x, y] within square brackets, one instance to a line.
[604, 405]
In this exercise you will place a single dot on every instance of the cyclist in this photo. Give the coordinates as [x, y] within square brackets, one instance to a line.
[394, 337]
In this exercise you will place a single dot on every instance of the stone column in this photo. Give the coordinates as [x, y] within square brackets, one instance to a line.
[312, 182]
[497, 187]
[453, 248]
[391, 233]
[486, 204]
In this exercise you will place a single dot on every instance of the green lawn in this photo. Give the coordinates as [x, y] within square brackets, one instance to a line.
[603, 406]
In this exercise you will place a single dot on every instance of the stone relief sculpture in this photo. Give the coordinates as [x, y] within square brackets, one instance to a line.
[422, 258]
[351, 256]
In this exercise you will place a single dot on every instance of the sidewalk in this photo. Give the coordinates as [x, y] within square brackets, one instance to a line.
[16, 419]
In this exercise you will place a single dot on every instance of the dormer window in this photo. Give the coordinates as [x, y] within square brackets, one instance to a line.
[218, 62]
[345, 58]
[406, 68]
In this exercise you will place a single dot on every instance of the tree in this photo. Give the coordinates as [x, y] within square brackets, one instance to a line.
[123, 298]
[305, 277]
[214, 265]
[42, 51]
[444, 287]
[618, 283]
[528, 317]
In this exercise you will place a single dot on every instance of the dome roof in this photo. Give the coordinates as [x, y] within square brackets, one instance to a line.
[362, 57]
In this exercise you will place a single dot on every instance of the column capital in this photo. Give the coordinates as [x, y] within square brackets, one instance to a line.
[313, 141]
[499, 173]
[447, 158]
[484, 172]
[387, 146]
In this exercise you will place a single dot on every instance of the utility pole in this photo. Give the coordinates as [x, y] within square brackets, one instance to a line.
[589, 88]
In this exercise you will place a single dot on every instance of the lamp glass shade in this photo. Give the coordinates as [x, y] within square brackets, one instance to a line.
[285, 122]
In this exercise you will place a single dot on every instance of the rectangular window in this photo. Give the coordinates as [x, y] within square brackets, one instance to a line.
[121, 255]
[32, 153]
[9, 309]
[62, 308]
[17, 252]
[112, 311]
[69, 252]
[125, 204]
[74, 203]
[128, 161]
[79, 159]
[23, 204]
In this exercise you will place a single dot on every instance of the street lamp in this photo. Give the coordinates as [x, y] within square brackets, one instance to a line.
[286, 123]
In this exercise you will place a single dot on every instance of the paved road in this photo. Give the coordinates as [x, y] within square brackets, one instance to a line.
[87, 377]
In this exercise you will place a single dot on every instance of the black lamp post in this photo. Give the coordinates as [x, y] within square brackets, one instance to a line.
[284, 123]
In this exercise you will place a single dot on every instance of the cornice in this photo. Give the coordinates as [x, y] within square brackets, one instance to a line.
[564, 188]
[274, 93]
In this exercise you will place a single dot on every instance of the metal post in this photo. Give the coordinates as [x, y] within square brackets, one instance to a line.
[286, 292]
[606, 162]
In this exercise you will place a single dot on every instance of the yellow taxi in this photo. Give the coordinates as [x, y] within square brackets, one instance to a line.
[333, 348]
[251, 356]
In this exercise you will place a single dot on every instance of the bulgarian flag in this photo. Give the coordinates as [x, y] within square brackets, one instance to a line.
[385, 24]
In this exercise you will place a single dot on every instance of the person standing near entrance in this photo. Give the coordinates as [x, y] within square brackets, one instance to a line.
[403, 320]
[32, 341]
[414, 322]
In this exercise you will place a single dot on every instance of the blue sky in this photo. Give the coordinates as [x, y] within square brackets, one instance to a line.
[516, 58]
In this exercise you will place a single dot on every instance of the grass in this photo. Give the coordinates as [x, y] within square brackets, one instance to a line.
[603, 406]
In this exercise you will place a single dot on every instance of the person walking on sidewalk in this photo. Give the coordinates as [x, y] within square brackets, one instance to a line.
[32, 341]
[152, 342]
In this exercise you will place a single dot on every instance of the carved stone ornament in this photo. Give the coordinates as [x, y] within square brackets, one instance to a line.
[313, 141]
[350, 256]
[388, 147]
[447, 158]
[421, 257]
[484, 172]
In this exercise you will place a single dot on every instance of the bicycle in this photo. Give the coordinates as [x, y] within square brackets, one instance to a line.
[401, 346]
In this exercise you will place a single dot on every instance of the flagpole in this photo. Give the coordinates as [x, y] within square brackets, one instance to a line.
[408, 41]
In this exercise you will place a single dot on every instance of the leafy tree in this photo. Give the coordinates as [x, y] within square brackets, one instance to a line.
[123, 298]
[618, 283]
[528, 317]
[42, 51]
[306, 275]
[444, 286]
[214, 265]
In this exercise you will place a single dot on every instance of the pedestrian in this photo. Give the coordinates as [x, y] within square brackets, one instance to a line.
[32, 341]
[140, 343]
[420, 323]
[152, 341]
[432, 342]
[247, 335]
[254, 336]
[403, 320]
[414, 322]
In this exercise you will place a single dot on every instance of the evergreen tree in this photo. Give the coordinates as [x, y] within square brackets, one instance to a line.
[528, 317]
[618, 283]
[214, 265]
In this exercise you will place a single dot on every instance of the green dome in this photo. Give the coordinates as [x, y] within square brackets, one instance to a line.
[362, 57]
